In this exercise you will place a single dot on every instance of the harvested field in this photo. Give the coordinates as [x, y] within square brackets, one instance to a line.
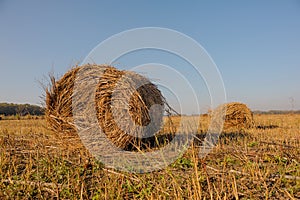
[261, 163]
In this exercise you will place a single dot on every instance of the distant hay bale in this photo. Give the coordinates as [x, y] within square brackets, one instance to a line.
[112, 82]
[236, 116]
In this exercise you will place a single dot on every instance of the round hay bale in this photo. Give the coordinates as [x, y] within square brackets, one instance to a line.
[119, 98]
[236, 116]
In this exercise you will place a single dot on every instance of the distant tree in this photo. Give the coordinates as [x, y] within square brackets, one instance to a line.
[20, 109]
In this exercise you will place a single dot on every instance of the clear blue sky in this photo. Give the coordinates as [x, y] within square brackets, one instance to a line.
[255, 44]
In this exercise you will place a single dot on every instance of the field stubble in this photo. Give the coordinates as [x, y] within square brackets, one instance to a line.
[261, 162]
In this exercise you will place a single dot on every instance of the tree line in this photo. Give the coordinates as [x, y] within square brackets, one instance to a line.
[9, 109]
[277, 112]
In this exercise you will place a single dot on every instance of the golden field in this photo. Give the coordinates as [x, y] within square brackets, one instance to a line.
[258, 163]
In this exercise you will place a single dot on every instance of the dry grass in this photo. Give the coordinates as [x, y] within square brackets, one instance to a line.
[261, 163]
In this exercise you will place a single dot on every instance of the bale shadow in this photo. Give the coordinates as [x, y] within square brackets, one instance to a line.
[225, 137]
[159, 141]
[264, 127]
[150, 143]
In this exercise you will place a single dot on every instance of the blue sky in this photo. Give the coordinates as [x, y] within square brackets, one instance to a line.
[255, 44]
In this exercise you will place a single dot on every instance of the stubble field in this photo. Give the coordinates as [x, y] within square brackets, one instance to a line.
[258, 163]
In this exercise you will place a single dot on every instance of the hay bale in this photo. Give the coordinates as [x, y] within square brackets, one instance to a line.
[113, 82]
[236, 116]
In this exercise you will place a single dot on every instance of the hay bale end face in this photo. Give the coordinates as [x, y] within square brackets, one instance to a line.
[124, 85]
[112, 83]
[236, 116]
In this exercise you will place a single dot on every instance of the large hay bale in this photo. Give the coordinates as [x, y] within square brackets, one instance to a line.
[235, 115]
[112, 82]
